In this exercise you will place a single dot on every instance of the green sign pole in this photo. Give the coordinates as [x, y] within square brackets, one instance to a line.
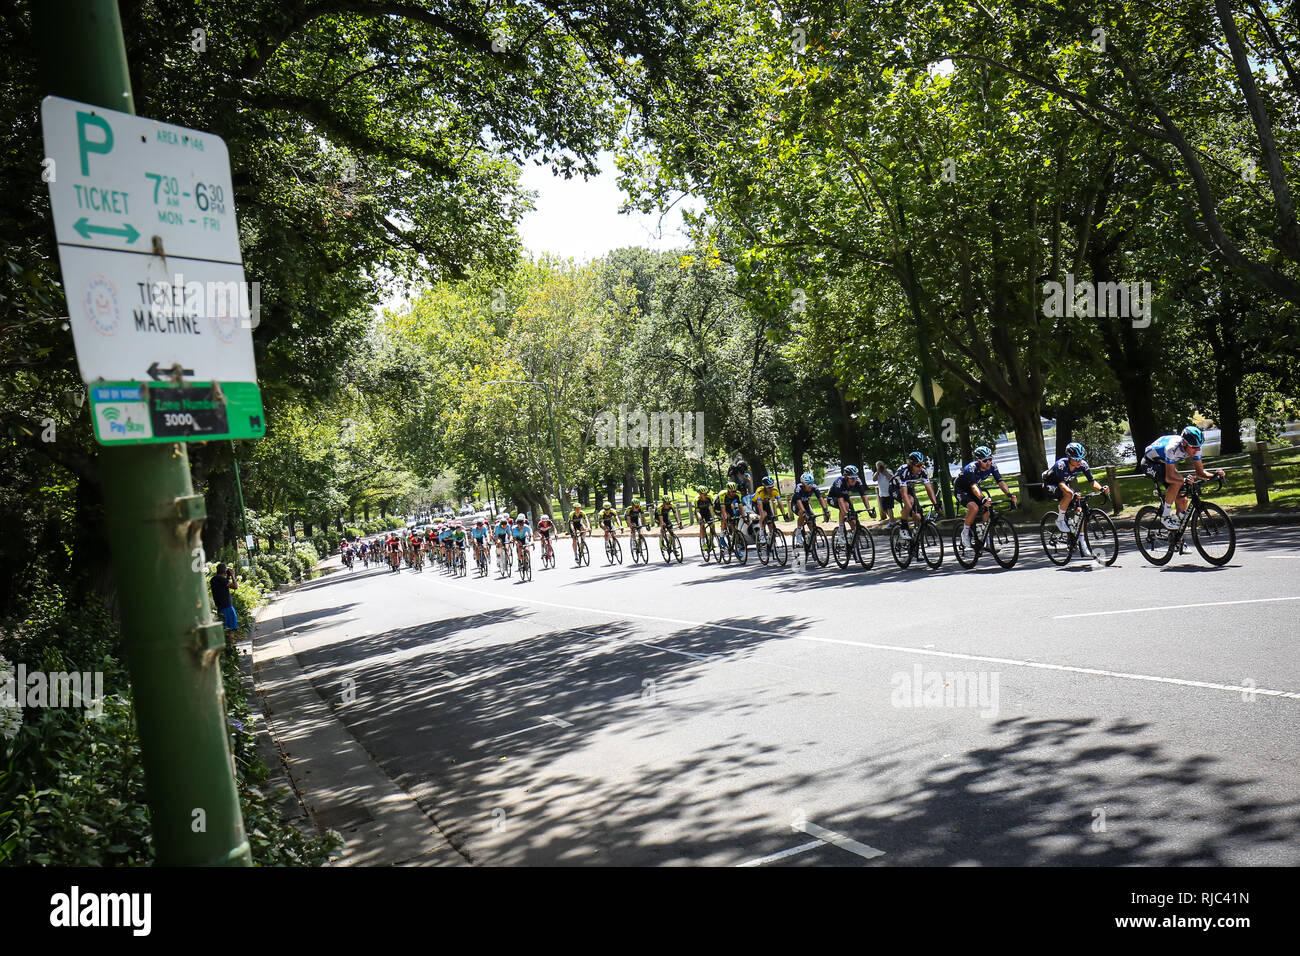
[154, 519]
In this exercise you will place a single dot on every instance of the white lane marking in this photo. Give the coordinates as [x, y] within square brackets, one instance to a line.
[557, 721]
[515, 732]
[1035, 665]
[838, 839]
[802, 848]
[449, 674]
[1175, 607]
[1283, 557]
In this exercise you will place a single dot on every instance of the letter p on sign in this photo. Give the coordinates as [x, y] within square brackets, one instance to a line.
[84, 146]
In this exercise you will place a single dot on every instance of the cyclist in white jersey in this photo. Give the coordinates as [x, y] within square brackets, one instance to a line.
[1159, 463]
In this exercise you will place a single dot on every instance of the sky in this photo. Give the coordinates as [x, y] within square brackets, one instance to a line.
[580, 220]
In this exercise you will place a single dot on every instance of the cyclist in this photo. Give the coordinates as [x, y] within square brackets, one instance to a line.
[704, 508]
[1057, 480]
[664, 516]
[967, 487]
[546, 528]
[394, 552]
[607, 516]
[901, 482]
[1158, 463]
[801, 501]
[502, 532]
[480, 537]
[522, 533]
[635, 515]
[578, 525]
[730, 505]
[767, 499]
[844, 488]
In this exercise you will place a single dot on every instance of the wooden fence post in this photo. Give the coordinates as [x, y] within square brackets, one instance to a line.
[1116, 496]
[1259, 471]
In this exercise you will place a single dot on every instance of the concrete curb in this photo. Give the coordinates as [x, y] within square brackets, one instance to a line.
[339, 783]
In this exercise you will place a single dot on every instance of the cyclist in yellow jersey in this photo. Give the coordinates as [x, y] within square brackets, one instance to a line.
[767, 501]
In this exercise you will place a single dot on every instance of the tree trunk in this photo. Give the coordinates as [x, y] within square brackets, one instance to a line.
[799, 447]
[609, 490]
[629, 484]
[1066, 417]
[645, 472]
[584, 495]
[1029, 444]
[846, 432]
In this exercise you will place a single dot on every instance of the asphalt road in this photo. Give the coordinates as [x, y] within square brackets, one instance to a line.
[750, 715]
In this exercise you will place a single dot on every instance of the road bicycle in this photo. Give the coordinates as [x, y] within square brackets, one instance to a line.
[481, 560]
[709, 544]
[458, 560]
[731, 543]
[347, 560]
[582, 552]
[906, 541]
[525, 564]
[859, 543]
[640, 550]
[504, 558]
[1091, 533]
[1212, 531]
[811, 540]
[669, 546]
[990, 532]
[548, 553]
[771, 543]
[613, 549]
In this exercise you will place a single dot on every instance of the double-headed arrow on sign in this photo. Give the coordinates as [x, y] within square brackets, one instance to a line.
[127, 232]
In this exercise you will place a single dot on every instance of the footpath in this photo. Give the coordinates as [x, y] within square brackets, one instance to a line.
[337, 784]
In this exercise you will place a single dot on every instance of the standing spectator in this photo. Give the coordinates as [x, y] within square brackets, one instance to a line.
[882, 477]
[221, 584]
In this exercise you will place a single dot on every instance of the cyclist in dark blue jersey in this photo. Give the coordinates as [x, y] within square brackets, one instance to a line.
[1058, 477]
[968, 491]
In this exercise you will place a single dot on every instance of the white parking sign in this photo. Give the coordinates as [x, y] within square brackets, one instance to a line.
[144, 217]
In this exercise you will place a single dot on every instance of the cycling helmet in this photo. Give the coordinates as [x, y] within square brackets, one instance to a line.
[917, 458]
[983, 452]
[636, 502]
[520, 517]
[666, 501]
[850, 471]
[731, 486]
[806, 478]
[1193, 436]
[479, 523]
[546, 517]
[767, 481]
[1074, 451]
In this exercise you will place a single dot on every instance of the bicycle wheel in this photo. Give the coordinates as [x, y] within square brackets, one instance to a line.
[965, 553]
[864, 546]
[764, 550]
[740, 548]
[724, 549]
[931, 545]
[821, 548]
[1004, 541]
[840, 547]
[665, 549]
[1103, 540]
[1152, 536]
[640, 551]
[584, 553]
[779, 549]
[1056, 543]
[677, 548]
[899, 547]
[1213, 534]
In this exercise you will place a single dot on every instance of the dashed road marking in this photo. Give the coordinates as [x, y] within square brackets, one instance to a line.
[1176, 607]
[802, 848]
